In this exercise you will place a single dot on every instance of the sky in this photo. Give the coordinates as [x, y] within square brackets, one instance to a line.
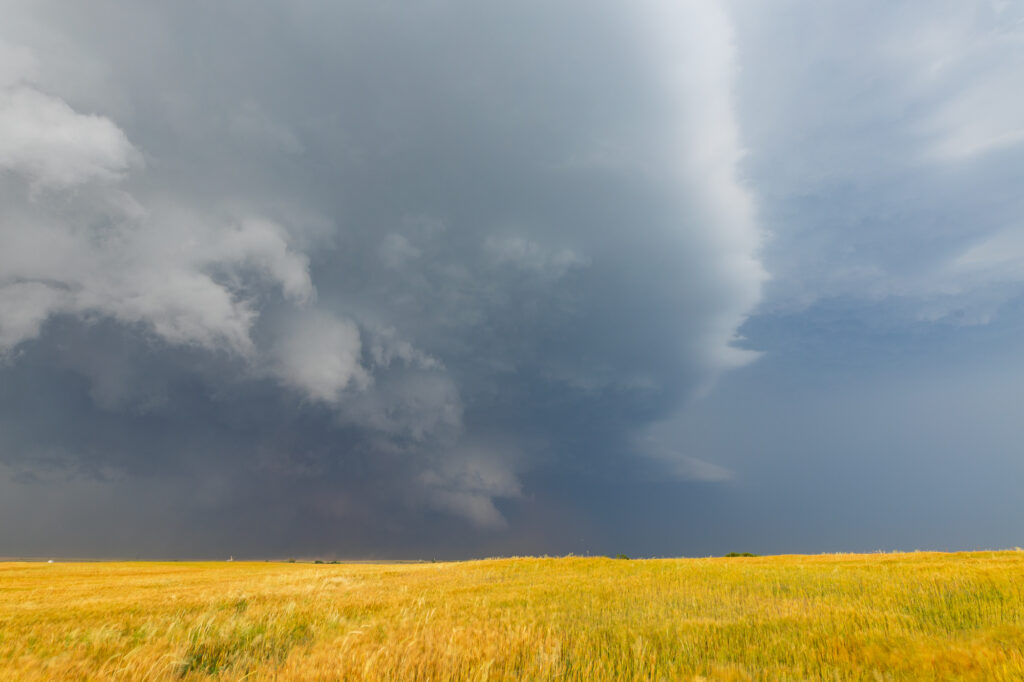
[453, 279]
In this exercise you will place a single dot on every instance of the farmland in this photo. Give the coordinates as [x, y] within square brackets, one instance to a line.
[877, 616]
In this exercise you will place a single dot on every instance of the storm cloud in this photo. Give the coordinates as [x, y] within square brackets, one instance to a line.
[451, 279]
[350, 271]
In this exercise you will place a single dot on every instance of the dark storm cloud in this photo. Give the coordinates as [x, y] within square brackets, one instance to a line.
[450, 279]
[351, 275]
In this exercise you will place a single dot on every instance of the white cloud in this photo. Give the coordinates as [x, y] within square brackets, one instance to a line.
[24, 306]
[320, 355]
[694, 45]
[264, 246]
[467, 482]
[77, 244]
[42, 138]
[185, 277]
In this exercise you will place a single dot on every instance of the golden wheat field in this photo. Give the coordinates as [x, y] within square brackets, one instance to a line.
[880, 616]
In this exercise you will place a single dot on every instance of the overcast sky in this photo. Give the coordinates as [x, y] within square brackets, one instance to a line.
[450, 278]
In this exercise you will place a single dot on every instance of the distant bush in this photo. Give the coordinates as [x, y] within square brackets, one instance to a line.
[621, 556]
[733, 554]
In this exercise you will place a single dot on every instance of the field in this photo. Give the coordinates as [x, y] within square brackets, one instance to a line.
[879, 616]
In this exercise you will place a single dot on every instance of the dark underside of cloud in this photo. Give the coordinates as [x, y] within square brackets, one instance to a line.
[341, 278]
